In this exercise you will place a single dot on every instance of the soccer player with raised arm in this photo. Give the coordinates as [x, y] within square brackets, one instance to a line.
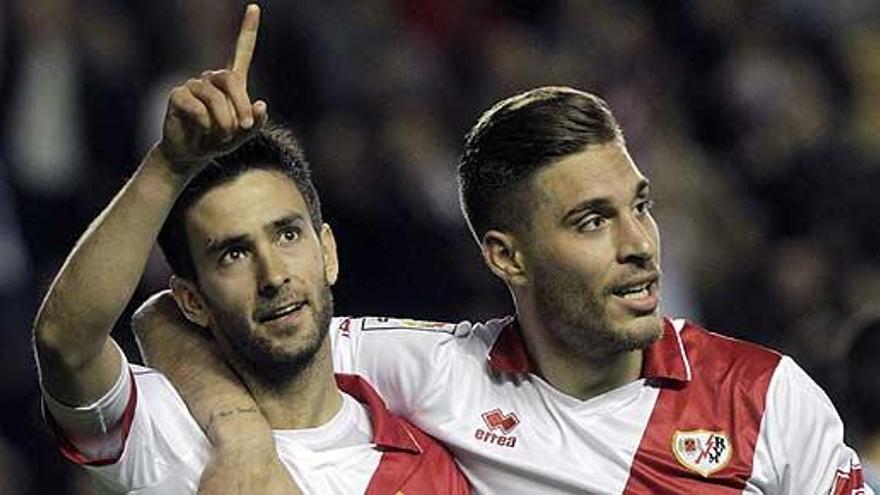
[588, 388]
[235, 211]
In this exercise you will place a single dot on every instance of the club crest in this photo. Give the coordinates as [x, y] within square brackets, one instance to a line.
[702, 451]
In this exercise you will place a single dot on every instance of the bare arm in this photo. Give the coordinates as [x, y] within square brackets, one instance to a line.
[77, 361]
[191, 360]
[244, 458]
[205, 117]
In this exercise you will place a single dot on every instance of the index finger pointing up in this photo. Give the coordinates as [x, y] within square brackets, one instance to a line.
[247, 40]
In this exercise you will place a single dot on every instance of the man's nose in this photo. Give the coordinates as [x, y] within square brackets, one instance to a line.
[635, 243]
[273, 275]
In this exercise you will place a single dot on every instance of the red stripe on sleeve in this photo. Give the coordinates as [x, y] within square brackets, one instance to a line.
[73, 454]
[851, 483]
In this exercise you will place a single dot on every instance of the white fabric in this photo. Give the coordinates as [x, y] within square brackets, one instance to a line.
[439, 378]
[95, 429]
[872, 476]
[349, 427]
[801, 448]
[166, 451]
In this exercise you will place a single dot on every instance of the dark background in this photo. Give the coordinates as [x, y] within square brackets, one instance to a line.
[758, 123]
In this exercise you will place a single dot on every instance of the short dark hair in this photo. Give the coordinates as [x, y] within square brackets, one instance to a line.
[272, 148]
[518, 136]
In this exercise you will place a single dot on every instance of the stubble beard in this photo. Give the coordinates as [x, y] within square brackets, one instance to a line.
[577, 318]
[272, 366]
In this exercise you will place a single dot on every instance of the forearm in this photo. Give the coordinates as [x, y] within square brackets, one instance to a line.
[189, 357]
[244, 453]
[98, 279]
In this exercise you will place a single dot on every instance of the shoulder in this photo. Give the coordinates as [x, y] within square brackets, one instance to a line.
[718, 359]
[411, 455]
[149, 377]
[160, 408]
[434, 467]
[461, 337]
[723, 357]
[388, 325]
[163, 444]
[154, 387]
[794, 389]
[765, 375]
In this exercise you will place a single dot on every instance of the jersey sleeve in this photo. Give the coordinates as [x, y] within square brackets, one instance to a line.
[802, 437]
[134, 436]
[410, 363]
[94, 434]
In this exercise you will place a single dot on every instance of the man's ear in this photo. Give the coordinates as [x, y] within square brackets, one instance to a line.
[503, 256]
[190, 301]
[331, 260]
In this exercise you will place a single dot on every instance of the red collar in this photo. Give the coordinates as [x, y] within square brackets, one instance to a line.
[666, 358]
[389, 431]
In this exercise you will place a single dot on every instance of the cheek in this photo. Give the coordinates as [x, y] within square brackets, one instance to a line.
[587, 261]
[656, 234]
[229, 294]
[653, 230]
[307, 267]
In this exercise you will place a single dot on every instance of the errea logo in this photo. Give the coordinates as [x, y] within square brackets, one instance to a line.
[499, 426]
[497, 421]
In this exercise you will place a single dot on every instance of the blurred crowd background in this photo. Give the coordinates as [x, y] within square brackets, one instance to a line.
[757, 121]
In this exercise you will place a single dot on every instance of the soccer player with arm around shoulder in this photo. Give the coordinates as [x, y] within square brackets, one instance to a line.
[588, 388]
[235, 212]
[78, 361]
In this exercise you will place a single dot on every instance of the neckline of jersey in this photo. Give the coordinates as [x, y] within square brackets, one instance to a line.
[665, 359]
[389, 432]
[333, 433]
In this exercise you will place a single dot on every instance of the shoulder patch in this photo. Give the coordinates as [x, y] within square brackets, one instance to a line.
[385, 323]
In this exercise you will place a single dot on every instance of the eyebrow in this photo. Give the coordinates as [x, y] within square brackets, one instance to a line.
[216, 246]
[287, 220]
[602, 204]
[219, 245]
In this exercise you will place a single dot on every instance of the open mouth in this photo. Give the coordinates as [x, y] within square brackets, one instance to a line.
[281, 312]
[639, 296]
[634, 292]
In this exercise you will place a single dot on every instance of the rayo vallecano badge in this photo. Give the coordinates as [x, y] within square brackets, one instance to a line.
[702, 451]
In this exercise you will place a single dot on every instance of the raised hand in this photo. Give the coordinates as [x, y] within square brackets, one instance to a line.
[213, 114]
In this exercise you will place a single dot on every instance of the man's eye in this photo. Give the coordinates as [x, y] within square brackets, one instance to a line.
[290, 235]
[644, 207]
[231, 256]
[591, 223]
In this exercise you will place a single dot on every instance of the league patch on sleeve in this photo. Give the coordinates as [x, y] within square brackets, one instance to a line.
[386, 323]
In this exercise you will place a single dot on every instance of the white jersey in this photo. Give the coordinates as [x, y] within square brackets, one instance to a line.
[710, 415]
[140, 438]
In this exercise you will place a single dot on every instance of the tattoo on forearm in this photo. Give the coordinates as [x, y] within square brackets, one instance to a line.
[227, 413]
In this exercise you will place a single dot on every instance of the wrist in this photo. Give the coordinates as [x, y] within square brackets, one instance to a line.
[175, 170]
[157, 181]
[239, 428]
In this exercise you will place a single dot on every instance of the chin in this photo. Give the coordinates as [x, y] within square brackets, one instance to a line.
[276, 363]
[642, 331]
